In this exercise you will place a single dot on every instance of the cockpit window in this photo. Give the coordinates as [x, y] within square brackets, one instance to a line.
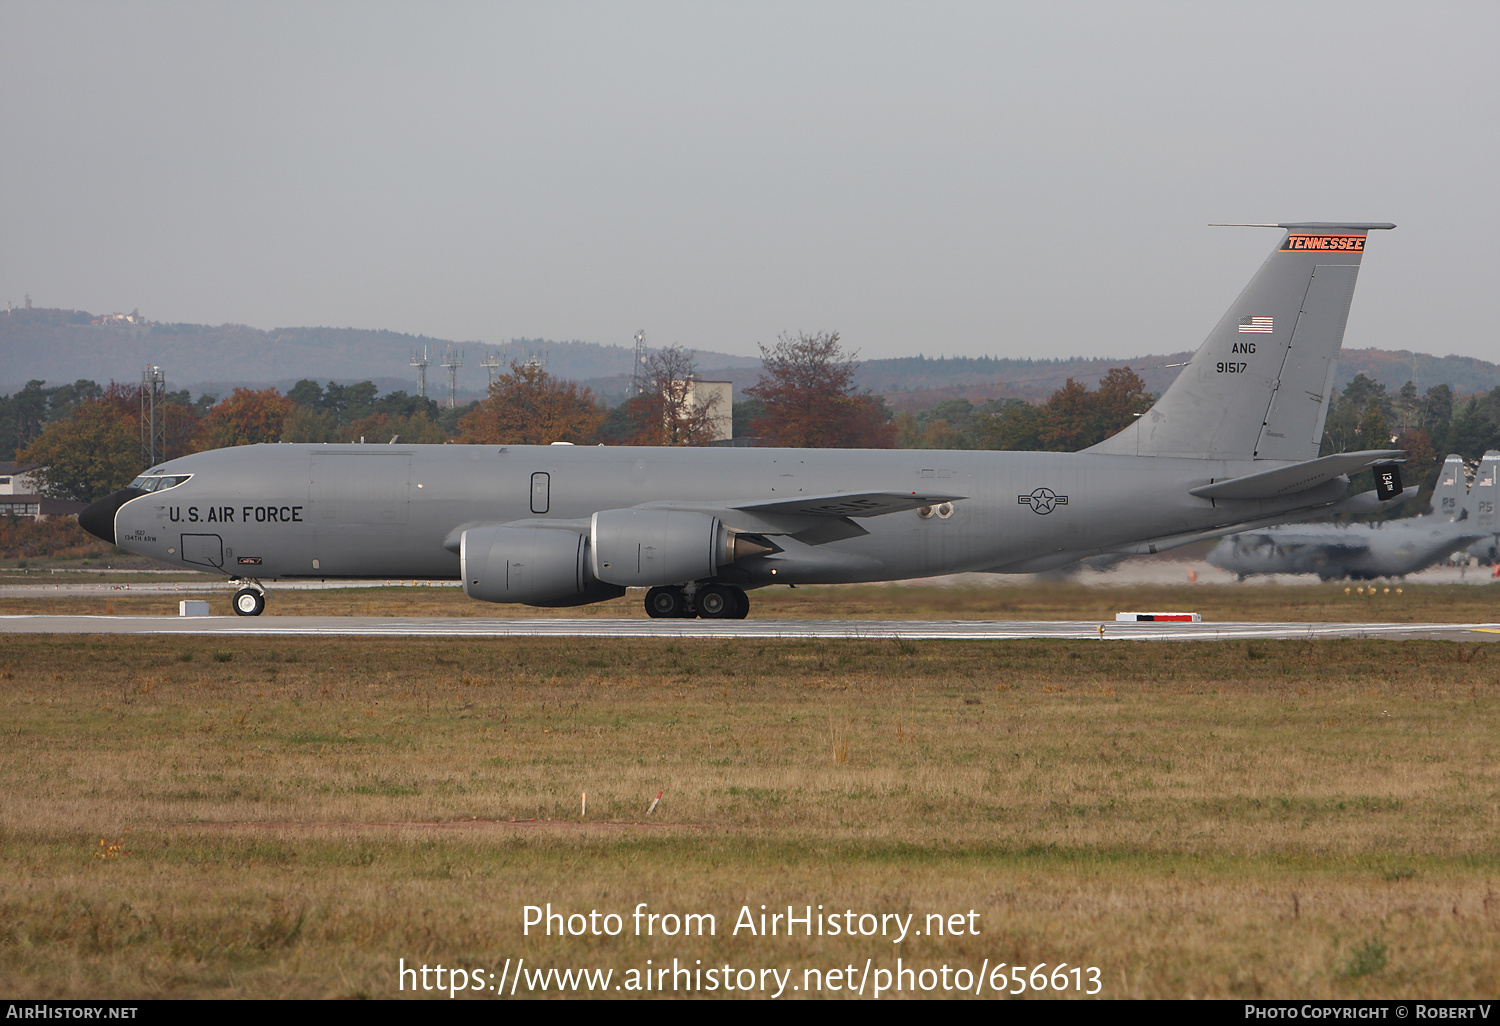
[156, 484]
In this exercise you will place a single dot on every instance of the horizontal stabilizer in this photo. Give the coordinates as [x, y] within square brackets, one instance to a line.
[1369, 502]
[1271, 484]
[854, 504]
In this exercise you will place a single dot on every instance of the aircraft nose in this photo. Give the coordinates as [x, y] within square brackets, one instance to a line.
[98, 519]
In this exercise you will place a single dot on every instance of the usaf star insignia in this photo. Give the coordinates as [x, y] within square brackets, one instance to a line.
[1042, 500]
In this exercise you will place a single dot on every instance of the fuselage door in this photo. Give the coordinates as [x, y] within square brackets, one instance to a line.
[541, 489]
[203, 549]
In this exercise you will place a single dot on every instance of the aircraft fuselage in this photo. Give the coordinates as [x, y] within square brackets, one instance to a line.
[377, 511]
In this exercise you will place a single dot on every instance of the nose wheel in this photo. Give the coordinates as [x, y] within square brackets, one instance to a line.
[249, 602]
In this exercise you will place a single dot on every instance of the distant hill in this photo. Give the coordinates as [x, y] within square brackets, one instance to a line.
[65, 345]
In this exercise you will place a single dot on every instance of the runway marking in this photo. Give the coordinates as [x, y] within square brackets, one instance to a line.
[949, 630]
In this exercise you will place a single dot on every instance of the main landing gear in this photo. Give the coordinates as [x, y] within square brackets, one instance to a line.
[249, 601]
[712, 602]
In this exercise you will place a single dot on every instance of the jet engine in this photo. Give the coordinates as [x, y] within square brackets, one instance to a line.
[538, 566]
[650, 547]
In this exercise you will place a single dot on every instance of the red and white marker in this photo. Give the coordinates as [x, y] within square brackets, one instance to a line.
[654, 802]
[1157, 617]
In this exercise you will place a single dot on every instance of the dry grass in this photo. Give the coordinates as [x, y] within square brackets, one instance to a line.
[1231, 820]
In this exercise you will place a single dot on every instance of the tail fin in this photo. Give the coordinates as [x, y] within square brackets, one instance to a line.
[1484, 494]
[1260, 385]
[1451, 489]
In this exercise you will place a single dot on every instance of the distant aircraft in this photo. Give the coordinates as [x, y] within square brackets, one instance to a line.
[1230, 445]
[1362, 552]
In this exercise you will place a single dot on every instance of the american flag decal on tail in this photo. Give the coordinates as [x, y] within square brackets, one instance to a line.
[1255, 325]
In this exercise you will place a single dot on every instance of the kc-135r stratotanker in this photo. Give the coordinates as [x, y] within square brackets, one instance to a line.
[1230, 445]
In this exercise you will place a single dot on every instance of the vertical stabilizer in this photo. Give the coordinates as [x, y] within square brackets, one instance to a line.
[1451, 489]
[1484, 494]
[1260, 385]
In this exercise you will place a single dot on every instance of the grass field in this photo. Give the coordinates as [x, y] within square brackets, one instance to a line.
[243, 817]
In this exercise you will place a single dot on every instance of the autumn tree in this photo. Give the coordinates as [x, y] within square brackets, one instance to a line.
[1120, 399]
[248, 416]
[86, 455]
[528, 406]
[1067, 419]
[807, 390]
[667, 411]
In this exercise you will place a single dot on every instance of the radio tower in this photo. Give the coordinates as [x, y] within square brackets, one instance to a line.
[421, 363]
[453, 360]
[153, 416]
[491, 363]
[638, 375]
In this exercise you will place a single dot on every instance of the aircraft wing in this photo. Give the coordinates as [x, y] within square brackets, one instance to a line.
[812, 519]
[847, 504]
[1299, 477]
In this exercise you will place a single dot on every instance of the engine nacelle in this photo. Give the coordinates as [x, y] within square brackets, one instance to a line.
[649, 547]
[539, 566]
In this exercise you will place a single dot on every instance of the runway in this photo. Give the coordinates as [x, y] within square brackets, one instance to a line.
[952, 630]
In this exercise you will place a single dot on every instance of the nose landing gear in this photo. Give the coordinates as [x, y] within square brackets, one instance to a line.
[249, 601]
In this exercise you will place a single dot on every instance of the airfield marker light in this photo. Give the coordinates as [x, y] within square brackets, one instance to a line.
[1192, 576]
[1398, 591]
[1346, 591]
[654, 802]
[584, 810]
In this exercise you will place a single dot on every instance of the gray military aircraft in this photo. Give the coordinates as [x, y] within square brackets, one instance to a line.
[1361, 552]
[1230, 445]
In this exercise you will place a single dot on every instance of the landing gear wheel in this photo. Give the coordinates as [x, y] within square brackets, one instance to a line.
[666, 602]
[249, 602]
[717, 602]
[741, 605]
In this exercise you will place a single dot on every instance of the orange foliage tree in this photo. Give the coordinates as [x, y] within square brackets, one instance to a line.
[1075, 418]
[246, 417]
[96, 448]
[528, 406]
[93, 451]
[807, 389]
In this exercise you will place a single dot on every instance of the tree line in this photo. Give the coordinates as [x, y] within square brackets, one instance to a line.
[89, 436]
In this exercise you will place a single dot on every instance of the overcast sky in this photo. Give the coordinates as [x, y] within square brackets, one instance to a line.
[1011, 179]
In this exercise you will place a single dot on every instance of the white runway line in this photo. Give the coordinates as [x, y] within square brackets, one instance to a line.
[949, 630]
